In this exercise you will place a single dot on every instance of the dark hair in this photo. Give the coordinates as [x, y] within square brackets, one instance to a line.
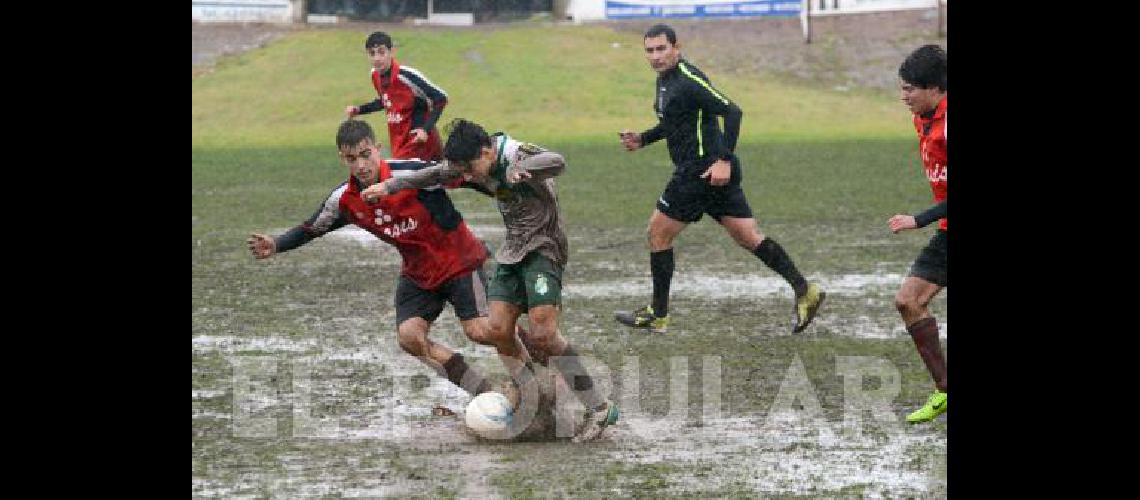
[662, 29]
[464, 141]
[925, 67]
[377, 39]
[351, 132]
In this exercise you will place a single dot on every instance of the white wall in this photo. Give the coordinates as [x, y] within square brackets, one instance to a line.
[586, 10]
[265, 11]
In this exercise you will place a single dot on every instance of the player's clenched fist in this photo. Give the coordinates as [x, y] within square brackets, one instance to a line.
[375, 192]
[631, 140]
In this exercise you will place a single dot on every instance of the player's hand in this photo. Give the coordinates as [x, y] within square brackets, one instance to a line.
[902, 222]
[418, 135]
[375, 192]
[719, 173]
[351, 111]
[261, 246]
[517, 174]
[630, 139]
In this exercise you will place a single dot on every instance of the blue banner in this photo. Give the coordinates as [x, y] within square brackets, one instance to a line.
[616, 9]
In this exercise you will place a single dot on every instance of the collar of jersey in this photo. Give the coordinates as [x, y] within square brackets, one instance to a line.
[674, 70]
[938, 112]
[387, 74]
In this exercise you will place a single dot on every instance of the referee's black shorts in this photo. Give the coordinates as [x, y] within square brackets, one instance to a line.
[688, 197]
[931, 262]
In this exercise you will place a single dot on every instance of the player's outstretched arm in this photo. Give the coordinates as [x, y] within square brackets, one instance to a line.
[931, 214]
[363, 109]
[901, 222]
[538, 167]
[327, 218]
[440, 173]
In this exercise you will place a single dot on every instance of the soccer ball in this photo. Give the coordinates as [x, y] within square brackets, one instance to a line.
[489, 414]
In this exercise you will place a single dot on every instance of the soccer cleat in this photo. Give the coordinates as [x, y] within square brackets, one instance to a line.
[596, 421]
[934, 407]
[643, 318]
[806, 307]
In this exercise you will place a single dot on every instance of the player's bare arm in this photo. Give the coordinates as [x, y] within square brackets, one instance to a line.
[418, 135]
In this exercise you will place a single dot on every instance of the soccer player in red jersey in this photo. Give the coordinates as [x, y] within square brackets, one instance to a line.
[413, 103]
[923, 85]
[442, 258]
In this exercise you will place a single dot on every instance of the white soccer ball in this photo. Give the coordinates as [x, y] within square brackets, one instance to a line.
[489, 414]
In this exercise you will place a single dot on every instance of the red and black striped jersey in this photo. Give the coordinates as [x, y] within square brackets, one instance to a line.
[411, 101]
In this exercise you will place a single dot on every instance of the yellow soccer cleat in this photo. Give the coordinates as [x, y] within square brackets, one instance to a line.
[806, 307]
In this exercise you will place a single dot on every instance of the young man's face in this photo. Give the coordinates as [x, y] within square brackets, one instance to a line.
[480, 167]
[361, 161]
[381, 57]
[661, 54]
[919, 100]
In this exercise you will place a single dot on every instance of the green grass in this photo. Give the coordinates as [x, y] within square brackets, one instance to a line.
[549, 83]
[823, 172]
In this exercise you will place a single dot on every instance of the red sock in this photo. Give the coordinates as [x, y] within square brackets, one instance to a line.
[924, 332]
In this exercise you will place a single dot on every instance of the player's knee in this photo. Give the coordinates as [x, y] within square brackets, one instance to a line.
[412, 340]
[747, 236]
[542, 336]
[543, 328]
[907, 304]
[496, 333]
[658, 240]
[480, 334]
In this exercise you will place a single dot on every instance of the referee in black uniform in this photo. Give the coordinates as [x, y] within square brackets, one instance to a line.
[706, 180]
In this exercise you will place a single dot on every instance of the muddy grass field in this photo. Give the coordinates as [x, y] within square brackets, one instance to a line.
[300, 390]
[299, 387]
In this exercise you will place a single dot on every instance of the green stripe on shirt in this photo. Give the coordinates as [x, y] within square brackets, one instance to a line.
[703, 83]
[700, 140]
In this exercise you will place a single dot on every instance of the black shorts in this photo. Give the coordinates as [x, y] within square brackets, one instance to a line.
[688, 197]
[467, 295]
[931, 263]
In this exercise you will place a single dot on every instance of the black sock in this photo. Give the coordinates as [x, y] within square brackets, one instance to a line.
[773, 256]
[661, 263]
[577, 378]
[462, 375]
